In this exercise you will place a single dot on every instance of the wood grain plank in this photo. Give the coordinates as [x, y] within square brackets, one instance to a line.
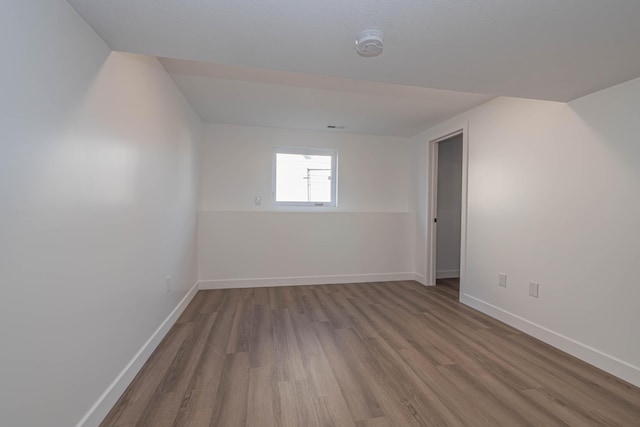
[352, 379]
[298, 404]
[263, 405]
[361, 355]
[288, 357]
[230, 405]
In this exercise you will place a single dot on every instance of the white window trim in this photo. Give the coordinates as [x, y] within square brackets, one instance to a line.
[310, 152]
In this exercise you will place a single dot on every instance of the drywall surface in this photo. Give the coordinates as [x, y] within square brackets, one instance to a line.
[449, 204]
[373, 171]
[264, 246]
[419, 202]
[554, 197]
[371, 231]
[98, 185]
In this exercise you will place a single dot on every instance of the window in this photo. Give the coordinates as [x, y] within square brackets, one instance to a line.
[304, 176]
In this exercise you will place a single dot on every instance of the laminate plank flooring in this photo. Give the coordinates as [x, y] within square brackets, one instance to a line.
[362, 355]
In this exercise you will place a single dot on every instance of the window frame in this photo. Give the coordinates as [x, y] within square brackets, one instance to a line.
[332, 152]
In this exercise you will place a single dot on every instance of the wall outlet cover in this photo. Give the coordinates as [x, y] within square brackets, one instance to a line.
[534, 289]
[502, 280]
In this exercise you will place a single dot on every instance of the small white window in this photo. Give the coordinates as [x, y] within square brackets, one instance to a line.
[304, 176]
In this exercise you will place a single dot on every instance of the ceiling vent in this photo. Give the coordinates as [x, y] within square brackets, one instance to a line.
[369, 43]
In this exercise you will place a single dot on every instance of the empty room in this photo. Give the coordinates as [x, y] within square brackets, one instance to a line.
[355, 213]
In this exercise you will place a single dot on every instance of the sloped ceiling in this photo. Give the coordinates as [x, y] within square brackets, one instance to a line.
[249, 96]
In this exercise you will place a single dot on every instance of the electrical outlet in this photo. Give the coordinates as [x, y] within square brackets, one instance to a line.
[168, 280]
[533, 289]
[502, 280]
[257, 200]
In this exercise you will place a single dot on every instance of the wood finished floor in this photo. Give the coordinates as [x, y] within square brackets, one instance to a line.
[362, 355]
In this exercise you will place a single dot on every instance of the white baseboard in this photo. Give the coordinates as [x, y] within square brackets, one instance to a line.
[447, 274]
[103, 405]
[420, 278]
[595, 357]
[305, 280]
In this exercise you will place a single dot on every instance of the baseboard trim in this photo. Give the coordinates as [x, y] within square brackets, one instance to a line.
[103, 405]
[420, 278]
[447, 274]
[593, 356]
[304, 280]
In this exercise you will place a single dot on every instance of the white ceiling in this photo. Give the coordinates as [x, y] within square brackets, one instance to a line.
[249, 96]
[545, 49]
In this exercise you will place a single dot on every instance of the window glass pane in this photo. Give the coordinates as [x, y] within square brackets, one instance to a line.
[303, 178]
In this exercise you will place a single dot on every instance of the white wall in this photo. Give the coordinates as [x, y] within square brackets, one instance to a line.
[449, 206]
[373, 172]
[554, 197]
[369, 236]
[98, 190]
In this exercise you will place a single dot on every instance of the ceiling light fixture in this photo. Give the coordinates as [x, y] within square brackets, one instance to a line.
[369, 43]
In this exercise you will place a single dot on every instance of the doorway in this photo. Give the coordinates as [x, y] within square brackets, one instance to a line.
[447, 212]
